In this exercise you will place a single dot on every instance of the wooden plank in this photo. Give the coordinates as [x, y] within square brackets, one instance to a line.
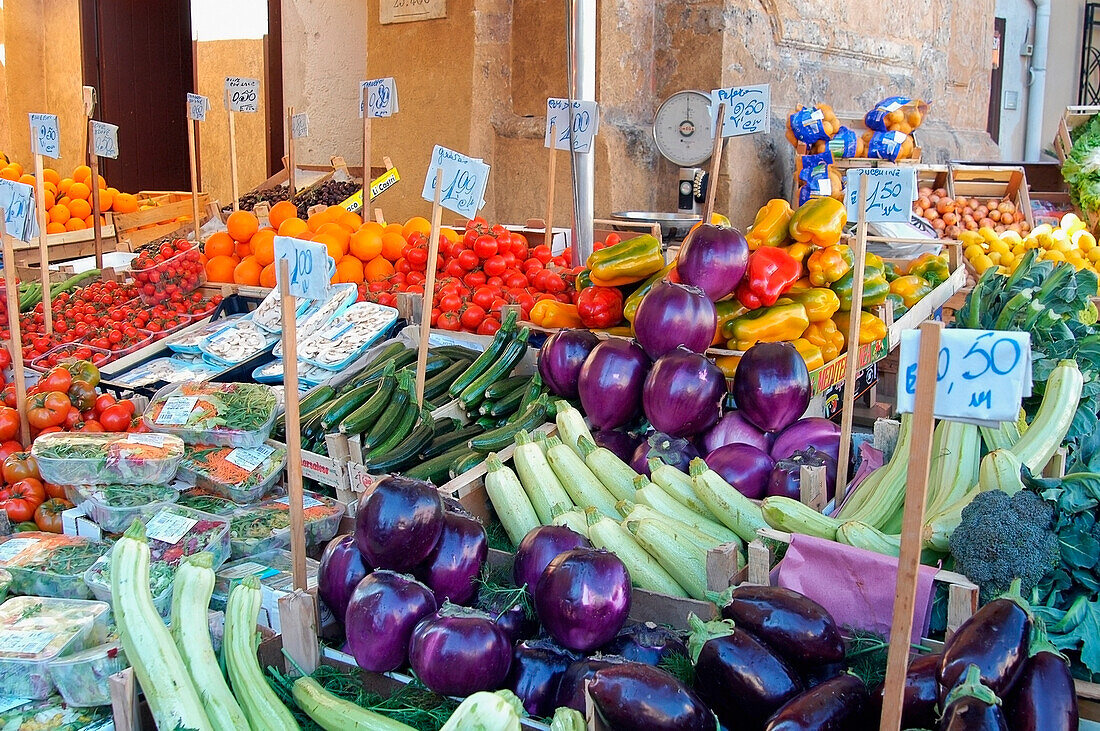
[962, 602]
[759, 563]
[429, 289]
[43, 245]
[293, 428]
[97, 224]
[715, 165]
[170, 206]
[124, 701]
[812, 487]
[298, 620]
[723, 563]
[194, 167]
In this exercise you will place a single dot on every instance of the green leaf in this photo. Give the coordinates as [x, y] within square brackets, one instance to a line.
[1089, 633]
[1078, 549]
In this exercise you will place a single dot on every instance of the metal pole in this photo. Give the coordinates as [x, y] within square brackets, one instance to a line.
[581, 70]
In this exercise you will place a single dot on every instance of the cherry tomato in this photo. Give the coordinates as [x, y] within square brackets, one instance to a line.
[127, 404]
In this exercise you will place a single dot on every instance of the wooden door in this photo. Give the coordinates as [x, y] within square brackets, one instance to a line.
[138, 56]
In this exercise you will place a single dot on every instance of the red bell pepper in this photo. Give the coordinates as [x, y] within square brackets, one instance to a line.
[771, 272]
[600, 307]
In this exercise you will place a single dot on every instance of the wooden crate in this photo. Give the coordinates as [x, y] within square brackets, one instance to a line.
[1072, 118]
[992, 181]
[69, 245]
[161, 219]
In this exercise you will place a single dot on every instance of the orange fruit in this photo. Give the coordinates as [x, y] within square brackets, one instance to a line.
[82, 173]
[48, 199]
[79, 190]
[18, 168]
[65, 200]
[242, 249]
[336, 249]
[392, 245]
[52, 187]
[395, 228]
[53, 227]
[219, 244]
[349, 269]
[365, 244]
[59, 213]
[263, 246]
[248, 272]
[416, 224]
[80, 208]
[74, 224]
[106, 198]
[63, 186]
[102, 182]
[49, 175]
[448, 233]
[377, 269]
[241, 225]
[280, 212]
[267, 277]
[333, 213]
[8, 173]
[26, 179]
[124, 202]
[220, 268]
[374, 226]
[316, 221]
[293, 227]
[349, 220]
[336, 231]
[89, 221]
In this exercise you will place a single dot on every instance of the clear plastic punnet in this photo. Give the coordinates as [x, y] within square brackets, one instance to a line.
[223, 414]
[95, 458]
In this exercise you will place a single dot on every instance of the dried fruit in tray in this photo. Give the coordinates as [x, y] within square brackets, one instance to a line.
[90, 458]
[114, 507]
[166, 267]
[227, 414]
[266, 526]
[50, 564]
[242, 474]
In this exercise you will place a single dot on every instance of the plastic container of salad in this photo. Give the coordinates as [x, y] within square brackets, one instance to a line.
[49, 564]
[35, 630]
[223, 414]
[114, 507]
[188, 342]
[348, 336]
[5, 583]
[82, 676]
[91, 458]
[207, 501]
[242, 474]
[174, 532]
[54, 714]
[273, 568]
[266, 526]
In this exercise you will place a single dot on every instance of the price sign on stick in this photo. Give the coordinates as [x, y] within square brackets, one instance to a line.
[242, 94]
[17, 202]
[299, 125]
[47, 138]
[890, 194]
[464, 179]
[197, 105]
[747, 109]
[380, 97]
[585, 124]
[981, 375]
[307, 265]
[105, 139]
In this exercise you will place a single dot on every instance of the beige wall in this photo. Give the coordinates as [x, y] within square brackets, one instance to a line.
[1063, 63]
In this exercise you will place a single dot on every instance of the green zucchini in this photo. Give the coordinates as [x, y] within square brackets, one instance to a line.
[487, 358]
[403, 401]
[457, 352]
[445, 442]
[505, 386]
[502, 436]
[438, 469]
[532, 392]
[387, 355]
[503, 365]
[440, 382]
[506, 405]
[385, 457]
[346, 404]
[364, 417]
[315, 398]
[467, 463]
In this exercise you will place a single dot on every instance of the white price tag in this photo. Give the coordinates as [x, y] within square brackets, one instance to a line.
[464, 180]
[307, 264]
[149, 439]
[242, 95]
[582, 127]
[169, 527]
[299, 125]
[13, 547]
[17, 200]
[248, 568]
[747, 111]
[380, 96]
[250, 458]
[25, 642]
[197, 105]
[982, 374]
[176, 410]
[105, 139]
[890, 193]
[308, 501]
[45, 135]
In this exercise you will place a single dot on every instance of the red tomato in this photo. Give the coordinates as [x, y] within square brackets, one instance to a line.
[5, 358]
[53, 490]
[483, 297]
[542, 253]
[47, 516]
[9, 423]
[7, 449]
[612, 239]
[494, 266]
[102, 401]
[115, 418]
[485, 247]
[468, 260]
[128, 405]
[91, 425]
[473, 279]
[488, 326]
[472, 316]
[449, 321]
[450, 303]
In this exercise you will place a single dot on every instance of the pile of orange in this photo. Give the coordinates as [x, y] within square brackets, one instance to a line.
[243, 254]
[68, 201]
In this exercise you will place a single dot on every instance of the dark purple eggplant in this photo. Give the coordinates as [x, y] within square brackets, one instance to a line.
[996, 639]
[1044, 698]
[342, 568]
[835, 705]
[561, 358]
[538, 548]
[920, 707]
[786, 476]
[796, 627]
[972, 706]
[818, 674]
[646, 643]
[537, 669]
[621, 443]
[452, 567]
[459, 651]
[398, 523]
[571, 688]
[610, 383]
[739, 677]
[582, 598]
[381, 616]
[637, 697]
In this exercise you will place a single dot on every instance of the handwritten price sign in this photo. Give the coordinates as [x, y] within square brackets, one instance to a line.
[299, 125]
[582, 128]
[17, 201]
[464, 180]
[45, 136]
[982, 374]
[197, 105]
[105, 139]
[242, 95]
[307, 264]
[747, 111]
[890, 193]
[380, 97]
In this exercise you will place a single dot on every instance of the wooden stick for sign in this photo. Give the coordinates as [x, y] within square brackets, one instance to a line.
[43, 246]
[812, 488]
[16, 344]
[293, 428]
[550, 189]
[124, 702]
[916, 487]
[378, 217]
[298, 623]
[851, 364]
[429, 290]
[97, 228]
[715, 164]
[366, 153]
[233, 154]
[191, 125]
[290, 148]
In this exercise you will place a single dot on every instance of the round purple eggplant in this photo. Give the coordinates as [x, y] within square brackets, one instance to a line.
[459, 651]
[920, 706]
[1044, 698]
[610, 383]
[621, 443]
[571, 688]
[538, 548]
[381, 616]
[839, 704]
[452, 567]
[509, 614]
[537, 669]
[972, 706]
[583, 598]
[342, 568]
[796, 627]
[637, 697]
[398, 523]
[646, 643]
[996, 639]
[561, 358]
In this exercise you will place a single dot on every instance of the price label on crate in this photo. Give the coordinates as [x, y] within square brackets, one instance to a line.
[105, 139]
[981, 375]
[197, 105]
[299, 125]
[307, 265]
[379, 96]
[464, 180]
[890, 194]
[582, 127]
[17, 200]
[45, 136]
[747, 111]
[242, 95]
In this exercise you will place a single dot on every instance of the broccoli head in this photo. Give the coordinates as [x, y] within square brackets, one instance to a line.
[1002, 538]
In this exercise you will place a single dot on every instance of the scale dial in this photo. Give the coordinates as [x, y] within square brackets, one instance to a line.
[682, 130]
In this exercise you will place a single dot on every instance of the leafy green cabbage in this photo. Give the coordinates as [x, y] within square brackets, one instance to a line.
[1081, 169]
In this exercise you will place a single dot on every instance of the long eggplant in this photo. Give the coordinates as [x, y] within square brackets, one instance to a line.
[537, 667]
[919, 709]
[996, 639]
[571, 688]
[742, 680]
[1044, 698]
[638, 697]
[972, 706]
[647, 643]
[796, 627]
[839, 704]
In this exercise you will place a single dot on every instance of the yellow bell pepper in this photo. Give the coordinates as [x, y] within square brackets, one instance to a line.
[934, 269]
[799, 252]
[783, 321]
[819, 221]
[810, 353]
[911, 288]
[825, 336]
[873, 260]
[629, 261]
[830, 264]
[727, 364]
[550, 313]
[770, 226]
[800, 286]
[820, 303]
[871, 328]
